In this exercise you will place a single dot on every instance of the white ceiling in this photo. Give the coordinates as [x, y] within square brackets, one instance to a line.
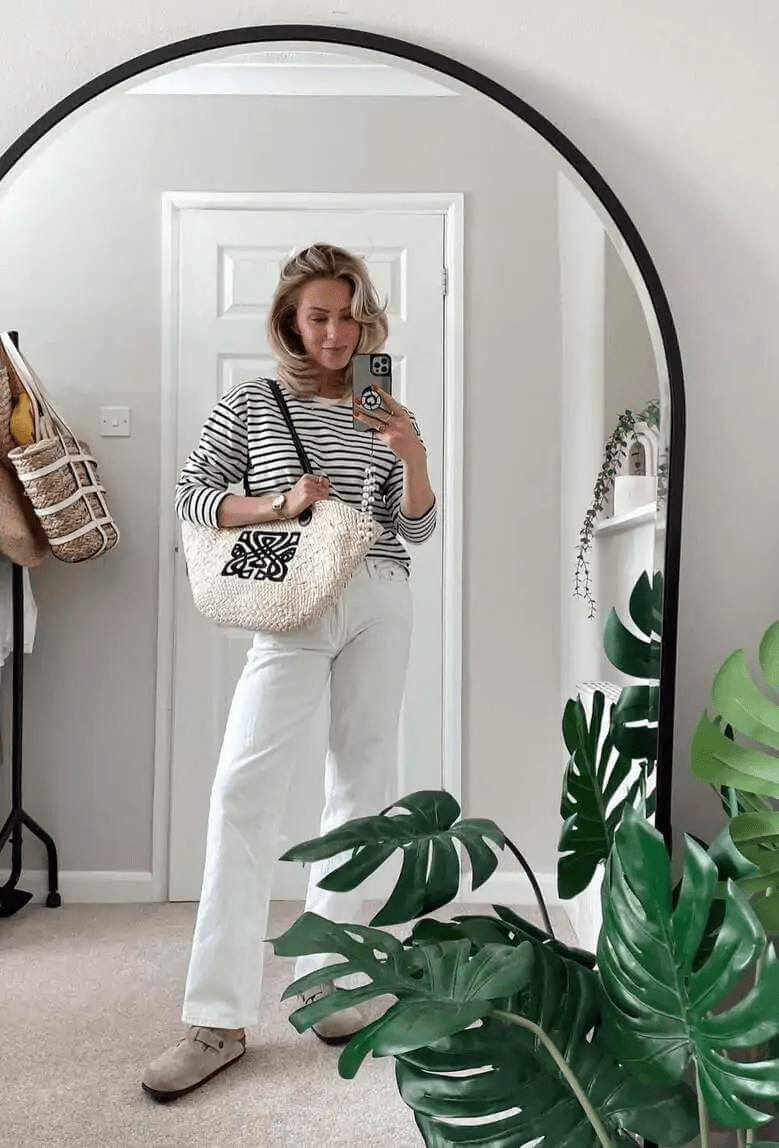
[292, 72]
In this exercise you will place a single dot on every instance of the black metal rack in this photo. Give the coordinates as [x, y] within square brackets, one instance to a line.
[11, 898]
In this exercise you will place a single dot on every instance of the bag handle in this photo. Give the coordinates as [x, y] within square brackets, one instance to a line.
[279, 397]
[43, 411]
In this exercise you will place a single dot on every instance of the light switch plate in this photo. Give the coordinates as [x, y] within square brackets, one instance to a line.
[114, 421]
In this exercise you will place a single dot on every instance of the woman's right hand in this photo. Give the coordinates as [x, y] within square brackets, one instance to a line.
[307, 490]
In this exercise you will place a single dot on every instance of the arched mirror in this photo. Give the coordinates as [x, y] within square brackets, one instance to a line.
[142, 225]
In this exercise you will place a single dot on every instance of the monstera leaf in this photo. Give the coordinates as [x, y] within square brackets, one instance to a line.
[756, 836]
[589, 805]
[506, 928]
[448, 986]
[718, 757]
[513, 1092]
[634, 723]
[635, 656]
[660, 1002]
[749, 774]
[430, 874]
[634, 718]
[455, 986]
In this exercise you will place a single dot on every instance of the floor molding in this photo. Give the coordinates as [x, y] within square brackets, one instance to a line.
[82, 887]
[87, 887]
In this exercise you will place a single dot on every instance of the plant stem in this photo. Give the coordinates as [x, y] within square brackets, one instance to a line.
[739, 1138]
[534, 883]
[703, 1115]
[559, 1060]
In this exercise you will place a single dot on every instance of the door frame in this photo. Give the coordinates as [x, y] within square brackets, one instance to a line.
[174, 203]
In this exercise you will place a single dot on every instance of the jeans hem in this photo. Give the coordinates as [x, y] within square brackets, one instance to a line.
[218, 1023]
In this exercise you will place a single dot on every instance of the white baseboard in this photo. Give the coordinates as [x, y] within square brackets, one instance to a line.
[511, 889]
[86, 887]
[290, 881]
[82, 887]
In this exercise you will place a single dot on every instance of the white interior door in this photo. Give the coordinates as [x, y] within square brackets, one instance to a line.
[227, 266]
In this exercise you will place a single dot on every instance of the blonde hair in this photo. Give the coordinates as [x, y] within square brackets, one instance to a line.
[321, 261]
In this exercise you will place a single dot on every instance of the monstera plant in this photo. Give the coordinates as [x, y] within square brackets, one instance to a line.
[502, 1035]
[602, 756]
[495, 1022]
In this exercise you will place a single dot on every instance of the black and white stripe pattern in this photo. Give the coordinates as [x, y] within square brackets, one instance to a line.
[245, 440]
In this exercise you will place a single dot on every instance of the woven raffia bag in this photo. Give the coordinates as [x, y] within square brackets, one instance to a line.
[280, 576]
[60, 476]
[7, 441]
[21, 535]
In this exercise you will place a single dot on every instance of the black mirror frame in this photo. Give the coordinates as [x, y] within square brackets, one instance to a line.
[437, 62]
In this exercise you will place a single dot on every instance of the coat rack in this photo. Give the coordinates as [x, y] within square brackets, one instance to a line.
[11, 898]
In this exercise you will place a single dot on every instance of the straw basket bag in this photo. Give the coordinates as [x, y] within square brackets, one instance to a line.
[22, 538]
[280, 576]
[7, 441]
[60, 476]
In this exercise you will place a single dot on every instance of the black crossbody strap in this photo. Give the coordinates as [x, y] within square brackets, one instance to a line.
[279, 397]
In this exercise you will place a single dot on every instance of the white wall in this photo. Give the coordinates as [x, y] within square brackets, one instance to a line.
[677, 106]
[629, 365]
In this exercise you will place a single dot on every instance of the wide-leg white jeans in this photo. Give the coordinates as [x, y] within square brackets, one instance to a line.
[361, 646]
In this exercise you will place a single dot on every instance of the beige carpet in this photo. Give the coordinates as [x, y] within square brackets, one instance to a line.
[90, 993]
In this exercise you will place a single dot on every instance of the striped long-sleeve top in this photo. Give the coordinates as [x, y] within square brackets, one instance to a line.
[246, 440]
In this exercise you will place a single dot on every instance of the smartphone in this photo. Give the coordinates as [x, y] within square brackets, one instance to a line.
[366, 371]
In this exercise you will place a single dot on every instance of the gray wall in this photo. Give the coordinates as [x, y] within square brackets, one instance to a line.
[79, 231]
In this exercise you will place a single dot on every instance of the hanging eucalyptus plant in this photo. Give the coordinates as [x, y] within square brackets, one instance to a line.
[614, 452]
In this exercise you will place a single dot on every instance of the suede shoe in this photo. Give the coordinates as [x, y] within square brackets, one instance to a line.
[339, 1027]
[193, 1060]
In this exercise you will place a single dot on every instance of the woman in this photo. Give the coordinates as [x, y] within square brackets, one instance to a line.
[325, 310]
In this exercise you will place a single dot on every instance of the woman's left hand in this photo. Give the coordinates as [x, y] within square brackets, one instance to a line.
[394, 427]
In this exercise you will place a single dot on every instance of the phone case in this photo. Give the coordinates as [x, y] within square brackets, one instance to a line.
[374, 368]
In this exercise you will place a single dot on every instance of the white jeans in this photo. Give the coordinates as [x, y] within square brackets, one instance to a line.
[362, 647]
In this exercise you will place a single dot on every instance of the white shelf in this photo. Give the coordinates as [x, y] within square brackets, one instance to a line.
[620, 522]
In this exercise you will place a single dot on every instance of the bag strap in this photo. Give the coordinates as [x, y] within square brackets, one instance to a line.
[44, 413]
[279, 397]
[369, 485]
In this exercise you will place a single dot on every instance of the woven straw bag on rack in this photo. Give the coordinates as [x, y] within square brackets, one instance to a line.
[22, 538]
[21, 535]
[60, 476]
[7, 441]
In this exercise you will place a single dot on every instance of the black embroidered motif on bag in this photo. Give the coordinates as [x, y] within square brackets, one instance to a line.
[264, 557]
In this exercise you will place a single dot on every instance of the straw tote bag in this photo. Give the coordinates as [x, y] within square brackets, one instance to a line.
[21, 535]
[60, 475]
[280, 576]
[7, 398]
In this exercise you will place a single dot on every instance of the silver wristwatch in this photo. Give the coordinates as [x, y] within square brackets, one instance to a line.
[278, 504]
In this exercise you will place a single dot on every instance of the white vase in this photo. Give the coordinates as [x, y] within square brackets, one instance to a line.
[632, 491]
